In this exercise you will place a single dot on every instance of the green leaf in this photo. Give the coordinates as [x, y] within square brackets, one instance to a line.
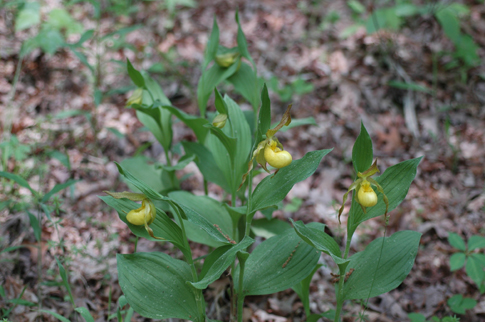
[27, 17]
[65, 279]
[162, 226]
[362, 155]
[274, 189]
[382, 266]
[60, 19]
[19, 180]
[209, 80]
[460, 304]
[211, 217]
[457, 261]
[356, 6]
[299, 122]
[56, 315]
[212, 45]
[85, 314]
[314, 235]
[264, 118]
[219, 103]
[456, 241]
[135, 75]
[476, 242]
[232, 156]
[34, 222]
[155, 286]
[475, 266]
[395, 182]
[303, 290]
[50, 39]
[148, 173]
[182, 163]
[268, 228]
[58, 187]
[156, 118]
[242, 44]
[206, 163]
[277, 264]
[219, 260]
[450, 24]
[245, 82]
[330, 314]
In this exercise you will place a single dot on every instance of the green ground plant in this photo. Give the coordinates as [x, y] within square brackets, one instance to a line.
[230, 144]
[394, 16]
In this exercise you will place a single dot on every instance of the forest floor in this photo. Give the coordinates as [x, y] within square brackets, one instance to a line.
[338, 81]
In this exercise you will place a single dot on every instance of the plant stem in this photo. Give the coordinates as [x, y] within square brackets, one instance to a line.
[249, 218]
[240, 295]
[340, 296]
[188, 257]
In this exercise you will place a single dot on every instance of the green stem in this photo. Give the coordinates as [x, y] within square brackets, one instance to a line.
[188, 257]
[206, 189]
[340, 296]
[250, 192]
[240, 295]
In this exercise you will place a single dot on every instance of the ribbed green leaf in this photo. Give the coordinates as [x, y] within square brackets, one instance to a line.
[456, 241]
[277, 264]
[274, 189]
[245, 82]
[135, 75]
[264, 118]
[155, 286]
[457, 261]
[208, 214]
[212, 45]
[195, 123]
[18, 179]
[382, 267]
[475, 268]
[207, 164]
[395, 182]
[362, 154]
[476, 242]
[162, 226]
[221, 259]
[209, 80]
[236, 127]
[314, 235]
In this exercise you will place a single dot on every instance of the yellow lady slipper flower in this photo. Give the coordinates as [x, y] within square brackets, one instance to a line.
[276, 157]
[145, 214]
[136, 97]
[366, 196]
[270, 150]
[220, 120]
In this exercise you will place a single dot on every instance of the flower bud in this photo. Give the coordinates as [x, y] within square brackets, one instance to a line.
[227, 59]
[366, 196]
[220, 120]
[276, 157]
[136, 97]
[146, 212]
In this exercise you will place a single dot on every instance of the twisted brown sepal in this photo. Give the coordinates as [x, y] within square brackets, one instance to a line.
[285, 121]
[128, 195]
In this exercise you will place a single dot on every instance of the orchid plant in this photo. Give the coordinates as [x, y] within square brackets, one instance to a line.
[161, 286]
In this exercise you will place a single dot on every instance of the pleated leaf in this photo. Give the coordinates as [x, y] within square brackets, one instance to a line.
[274, 189]
[382, 266]
[155, 285]
[277, 264]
